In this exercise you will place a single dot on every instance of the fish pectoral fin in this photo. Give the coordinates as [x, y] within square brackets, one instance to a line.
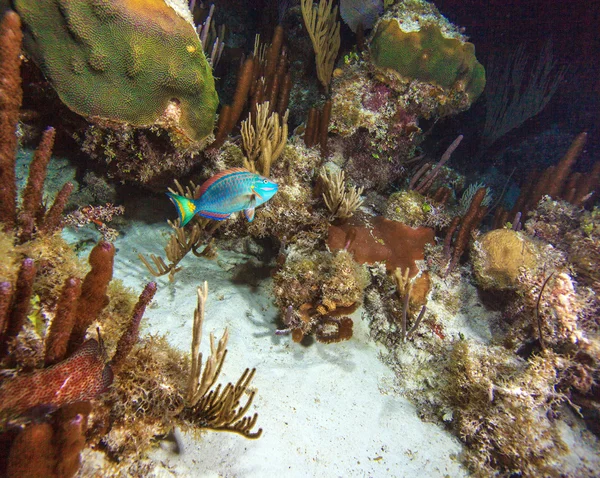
[252, 202]
[249, 213]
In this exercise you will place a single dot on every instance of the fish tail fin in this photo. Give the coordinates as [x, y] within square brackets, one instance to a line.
[186, 208]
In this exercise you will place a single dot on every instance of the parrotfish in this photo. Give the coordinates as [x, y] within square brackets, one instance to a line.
[229, 191]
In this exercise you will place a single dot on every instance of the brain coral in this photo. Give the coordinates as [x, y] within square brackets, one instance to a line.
[417, 42]
[123, 60]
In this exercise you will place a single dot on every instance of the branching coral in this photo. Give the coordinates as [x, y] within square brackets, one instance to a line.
[341, 201]
[157, 389]
[179, 244]
[264, 135]
[184, 240]
[404, 286]
[215, 408]
[324, 29]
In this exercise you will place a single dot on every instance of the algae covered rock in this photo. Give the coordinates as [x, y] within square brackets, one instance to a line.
[413, 41]
[498, 257]
[139, 63]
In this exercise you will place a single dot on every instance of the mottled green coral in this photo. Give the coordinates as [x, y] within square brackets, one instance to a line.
[427, 55]
[123, 60]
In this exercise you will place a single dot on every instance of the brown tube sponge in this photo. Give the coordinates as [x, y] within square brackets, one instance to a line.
[130, 336]
[57, 339]
[21, 303]
[93, 296]
[5, 296]
[70, 441]
[53, 218]
[10, 102]
[469, 222]
[32, 196]
[32, 453]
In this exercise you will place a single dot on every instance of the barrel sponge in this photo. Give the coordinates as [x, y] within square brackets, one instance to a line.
[128, 61]
[428, 49]
[498, 257]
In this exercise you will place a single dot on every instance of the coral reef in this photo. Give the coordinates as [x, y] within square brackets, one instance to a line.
[71, 378]
[264, 136]
[262, 78]
[97, 215]
[415, 210]
[574, 232]
[498, 257]
[380, 239]
[426, 55]
[157, 389]
[312, 289]
[498, 345]
[293, 213]
[502, 407]
[56, 394]
[124, 63]
[341, 201]
[372, 125]
[324, 29]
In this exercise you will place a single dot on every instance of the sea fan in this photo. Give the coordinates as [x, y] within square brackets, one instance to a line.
[355, 12]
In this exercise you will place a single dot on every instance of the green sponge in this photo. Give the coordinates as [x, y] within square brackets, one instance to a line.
[128, 61]
[427, 55]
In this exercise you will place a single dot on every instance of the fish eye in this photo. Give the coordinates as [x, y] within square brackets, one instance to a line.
[265, 181]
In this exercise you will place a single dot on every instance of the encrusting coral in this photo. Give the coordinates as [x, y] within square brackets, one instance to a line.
[499, 255]
[427, 55]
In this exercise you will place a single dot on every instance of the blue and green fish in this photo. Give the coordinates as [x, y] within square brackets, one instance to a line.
[227, 192]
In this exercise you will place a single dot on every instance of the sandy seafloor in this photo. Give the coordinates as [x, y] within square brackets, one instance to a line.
[327, 410]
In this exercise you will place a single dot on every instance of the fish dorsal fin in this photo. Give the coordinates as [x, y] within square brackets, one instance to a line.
[209, 182]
